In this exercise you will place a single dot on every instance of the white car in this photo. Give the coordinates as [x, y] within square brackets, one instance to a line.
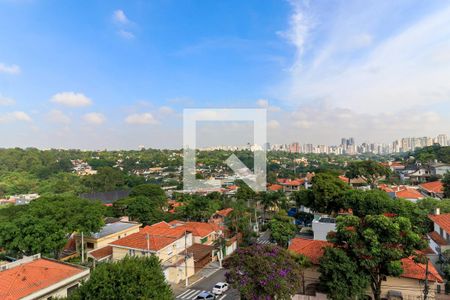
[220, 288]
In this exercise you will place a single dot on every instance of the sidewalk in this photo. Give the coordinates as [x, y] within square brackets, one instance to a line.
[207, 271]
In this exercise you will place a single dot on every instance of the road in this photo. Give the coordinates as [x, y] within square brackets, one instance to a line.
[207, 284]
[264, 239]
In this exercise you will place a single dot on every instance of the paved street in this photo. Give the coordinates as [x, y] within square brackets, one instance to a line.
[264, 239]
[207, 284]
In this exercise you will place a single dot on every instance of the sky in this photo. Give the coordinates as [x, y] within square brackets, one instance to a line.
[118, 74]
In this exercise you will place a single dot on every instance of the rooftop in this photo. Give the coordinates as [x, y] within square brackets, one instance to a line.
[414, 270]
[312, 249]
[143, 241]
[433, 187]
[29, 277]
[112, 228]
[443, 220]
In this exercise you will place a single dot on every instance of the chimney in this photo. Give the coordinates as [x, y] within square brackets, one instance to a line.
[437, 211]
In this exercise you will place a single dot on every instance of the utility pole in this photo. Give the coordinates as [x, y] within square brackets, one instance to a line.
[426, 288]
[147, 237]
[82, 247]
[185, 259]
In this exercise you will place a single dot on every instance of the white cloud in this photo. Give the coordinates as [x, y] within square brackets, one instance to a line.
[273, 124]
[300, 26]
[141, 119]
[264, 103]
[9, 69]
[15, 116]
[125, 34]
[57, 116]
[166, 110]
[404, 70]
[120, 17]
[361, 40]
[71, 99]
[5, 101]
[94, 118]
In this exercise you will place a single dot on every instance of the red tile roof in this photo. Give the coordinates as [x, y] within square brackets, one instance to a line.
[138, 240]
[443, 220]
[414, 270]
[437, 238]
[28, 278]
[409, 193]
[199, 229]
[312, 249]
[433, 187]
[224, 212]
[101, 252]
[275, 187]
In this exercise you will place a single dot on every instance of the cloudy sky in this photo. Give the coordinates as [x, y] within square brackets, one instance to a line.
[118, 74]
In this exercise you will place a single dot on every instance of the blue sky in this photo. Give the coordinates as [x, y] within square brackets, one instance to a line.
[117, 74]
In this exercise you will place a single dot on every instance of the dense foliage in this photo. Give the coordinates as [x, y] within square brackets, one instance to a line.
[44, 225]
[374, 245]
[282, 228]
[128, 279]
[263, 272]
[446, 182]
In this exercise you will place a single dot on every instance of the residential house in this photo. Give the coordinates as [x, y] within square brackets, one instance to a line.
[440, 236]
[322, 225]
[274, 187]
[289, 185]
[439, 169]
[220, 216]
[313, 250]
[35, 277]
[170, 245]
[408, 193]
[416, 173]
[402, 191]
[111, 231]
[409, 285]
[433, 189]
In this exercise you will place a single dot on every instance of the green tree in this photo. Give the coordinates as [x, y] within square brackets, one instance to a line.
[375, 244]
[269, 200]
[45, 224]
[263, 272]
[128, 279]
[153, 192]
[371, 170]
[327, 193]
[106, 179]
[198, 208]
[239, 220]
[282, 228]
[144, 210]
[446, 182]
[340, 277]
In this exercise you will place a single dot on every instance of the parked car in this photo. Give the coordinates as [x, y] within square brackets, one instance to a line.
[205, 296]
[220, 288]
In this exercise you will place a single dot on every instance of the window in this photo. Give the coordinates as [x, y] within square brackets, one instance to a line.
[131, 252]
[72, 289]
[90, 245]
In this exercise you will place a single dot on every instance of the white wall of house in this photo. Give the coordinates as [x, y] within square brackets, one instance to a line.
[321, 230]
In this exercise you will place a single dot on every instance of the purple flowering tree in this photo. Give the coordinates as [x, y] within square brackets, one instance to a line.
[264, 272]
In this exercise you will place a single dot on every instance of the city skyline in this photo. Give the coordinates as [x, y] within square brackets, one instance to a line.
[118, 75]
